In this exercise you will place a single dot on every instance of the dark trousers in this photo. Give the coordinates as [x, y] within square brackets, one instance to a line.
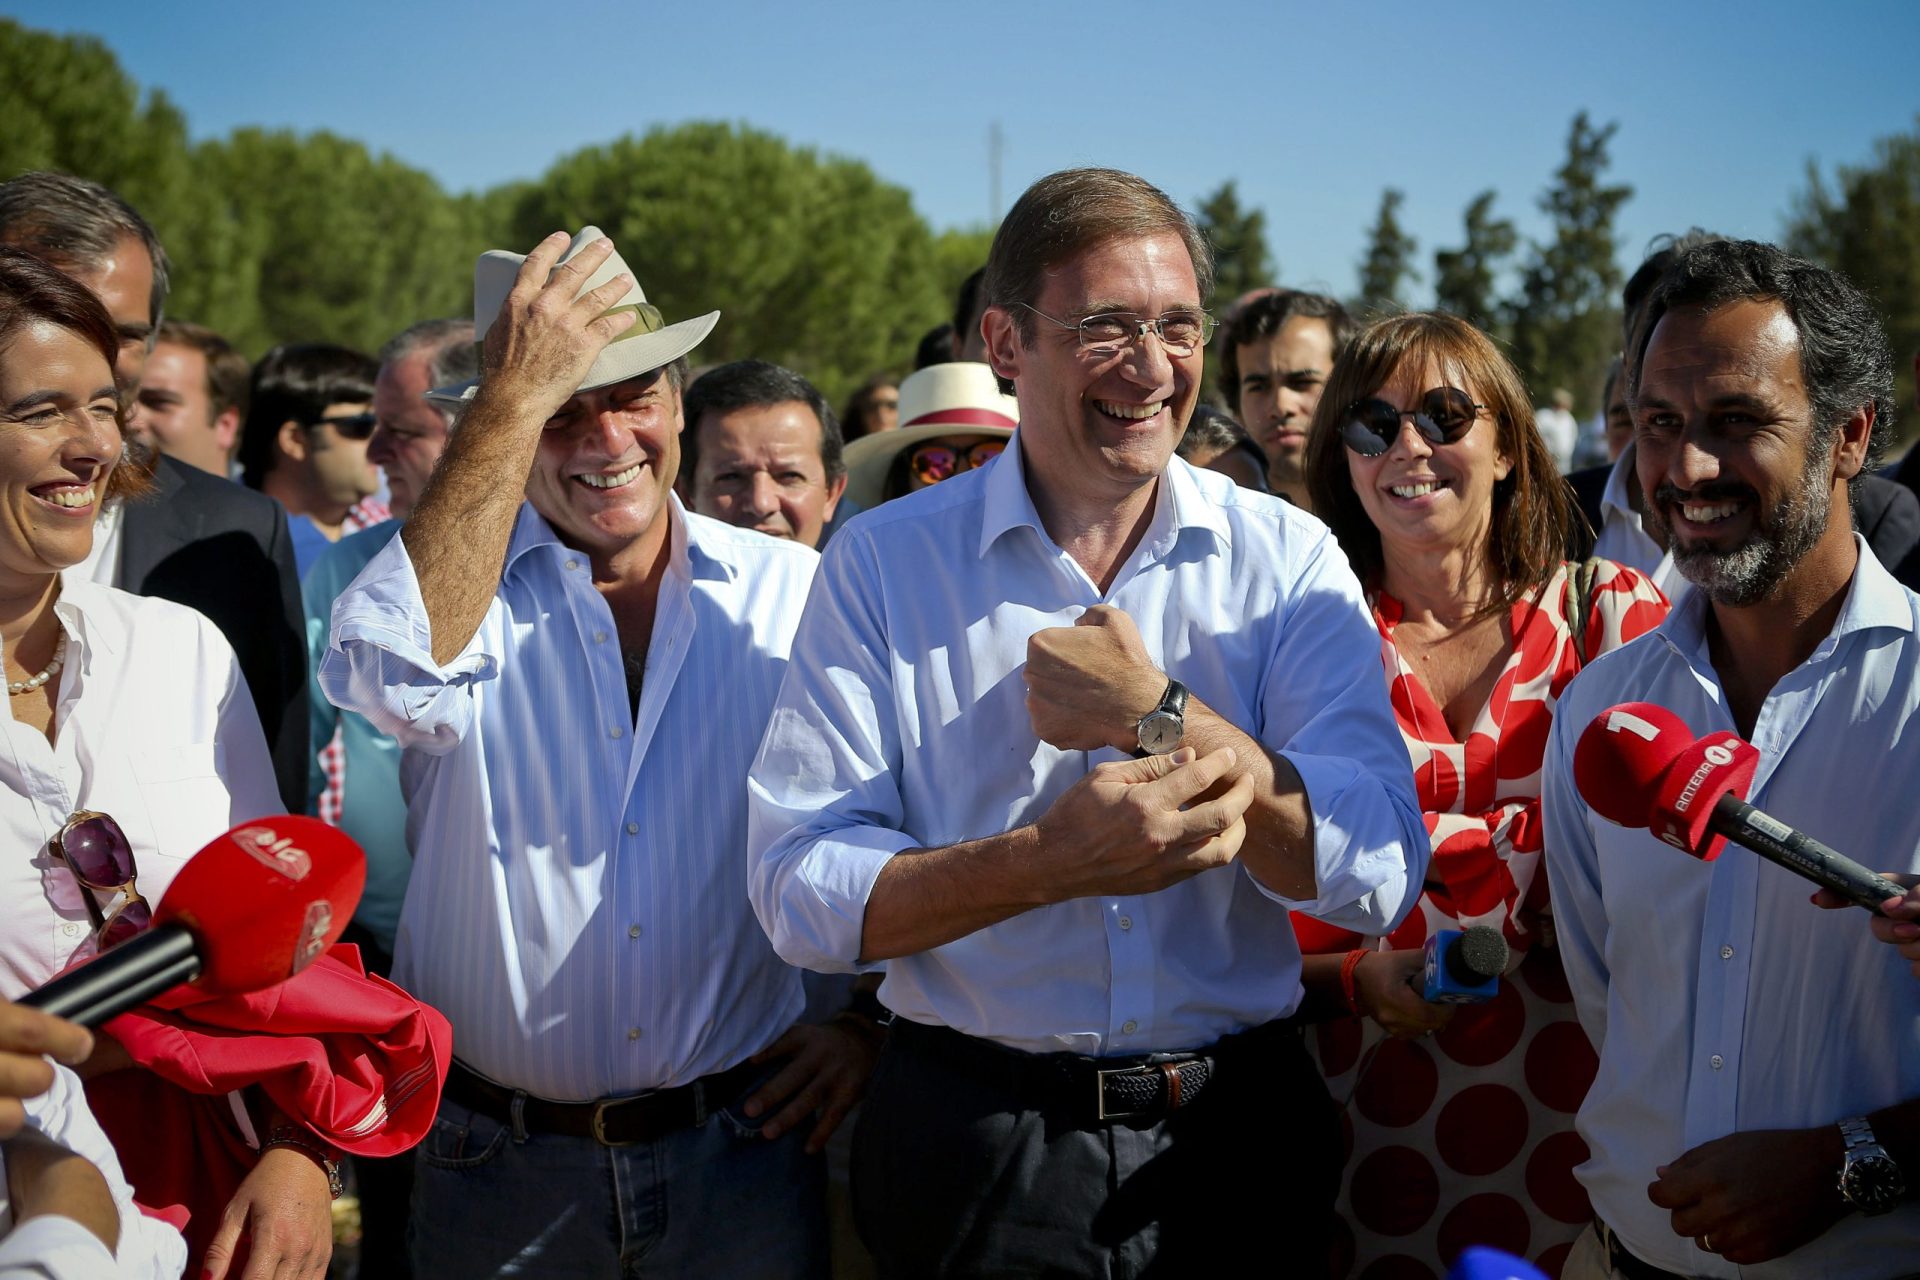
[955, 1175]
[385, 1187]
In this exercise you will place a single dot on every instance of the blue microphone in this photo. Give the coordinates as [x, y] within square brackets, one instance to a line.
[1477, 1262]
[1464, 965]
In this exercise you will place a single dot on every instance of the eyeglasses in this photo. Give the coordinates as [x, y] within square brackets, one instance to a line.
[96, 850]
[1180, 332]
[1445, 415]
[353, 426]
[932, 462]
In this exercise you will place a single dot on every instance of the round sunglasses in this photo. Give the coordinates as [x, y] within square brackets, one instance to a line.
[932, 462]
[98, 853]
[1370, 426]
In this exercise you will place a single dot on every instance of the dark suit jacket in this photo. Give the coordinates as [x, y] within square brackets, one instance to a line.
[215, 546]
[1885, 513]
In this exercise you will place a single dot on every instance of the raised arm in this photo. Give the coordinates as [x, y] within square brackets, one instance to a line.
[536, 353]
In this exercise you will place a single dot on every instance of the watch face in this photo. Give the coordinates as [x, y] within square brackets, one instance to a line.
[1160, 732]
[1872, 1182]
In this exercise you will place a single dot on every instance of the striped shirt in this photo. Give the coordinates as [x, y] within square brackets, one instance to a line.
[578, 906]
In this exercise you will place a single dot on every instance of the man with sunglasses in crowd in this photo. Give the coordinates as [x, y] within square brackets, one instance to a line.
[1062, 741]
[304, 444]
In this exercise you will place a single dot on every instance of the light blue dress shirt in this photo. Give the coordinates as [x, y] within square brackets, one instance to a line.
[578, 906]
[903, 724]
[372, 810]
[1719, 999]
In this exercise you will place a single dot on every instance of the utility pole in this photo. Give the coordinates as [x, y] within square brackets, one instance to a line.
[995, 144]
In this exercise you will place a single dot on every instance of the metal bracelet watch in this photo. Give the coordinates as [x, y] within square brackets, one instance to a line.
[1161, 729]
[1870, 1181]
[314, 1149]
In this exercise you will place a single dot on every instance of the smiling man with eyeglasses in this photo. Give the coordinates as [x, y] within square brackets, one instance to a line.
[1062, 741]
[309, 417]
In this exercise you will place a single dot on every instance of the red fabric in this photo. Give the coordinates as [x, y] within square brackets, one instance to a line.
[351, 1056]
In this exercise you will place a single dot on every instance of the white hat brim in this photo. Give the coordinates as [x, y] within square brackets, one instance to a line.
[624, 358]
[869, 458]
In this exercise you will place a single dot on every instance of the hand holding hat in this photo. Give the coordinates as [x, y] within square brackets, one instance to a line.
[550, 328]
[568, 317]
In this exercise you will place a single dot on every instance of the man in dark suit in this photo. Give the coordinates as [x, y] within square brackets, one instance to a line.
[197, 540]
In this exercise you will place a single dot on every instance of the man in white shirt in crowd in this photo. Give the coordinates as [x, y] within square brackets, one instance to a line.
[1088, 954]
[193, 396]
[1558, 427]
[762, 450]
[1275, 356]
[578, 671]
[1756, 1110]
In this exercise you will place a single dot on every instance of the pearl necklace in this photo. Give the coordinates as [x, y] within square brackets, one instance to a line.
[17, 687]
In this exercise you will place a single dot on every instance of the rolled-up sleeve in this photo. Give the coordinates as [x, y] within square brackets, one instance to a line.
[379, 659]
[823, 802]
[1325, 710]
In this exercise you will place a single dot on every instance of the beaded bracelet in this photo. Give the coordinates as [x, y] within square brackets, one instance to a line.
[1347, 967]
[325, 1157]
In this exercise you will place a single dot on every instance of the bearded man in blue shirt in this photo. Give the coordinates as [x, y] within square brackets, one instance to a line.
[1756, 1109]
[1088, 954]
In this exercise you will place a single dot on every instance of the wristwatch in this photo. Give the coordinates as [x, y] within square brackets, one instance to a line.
[1161, 729]
[1869, 1179]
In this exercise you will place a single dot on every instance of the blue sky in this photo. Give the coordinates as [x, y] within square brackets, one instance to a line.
[1312, 108]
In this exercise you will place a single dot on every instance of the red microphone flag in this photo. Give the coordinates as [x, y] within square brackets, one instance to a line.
[1638, 765]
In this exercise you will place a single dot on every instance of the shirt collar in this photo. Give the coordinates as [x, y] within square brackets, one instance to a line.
[1179, 503]
[78, 609]
[687, 554]
[1874, 600]
[1614, 496]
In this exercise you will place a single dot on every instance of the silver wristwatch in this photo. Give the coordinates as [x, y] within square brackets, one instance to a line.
[1161, 729]
[1869, 1179]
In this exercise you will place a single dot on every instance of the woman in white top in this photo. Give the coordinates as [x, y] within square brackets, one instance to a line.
[117, 705]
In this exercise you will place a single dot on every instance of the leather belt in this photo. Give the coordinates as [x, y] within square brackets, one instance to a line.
[1627, 1264]
[612, 1122]
[1092, 1091]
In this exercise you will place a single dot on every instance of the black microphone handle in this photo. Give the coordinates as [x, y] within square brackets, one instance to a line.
[1801, 854]
[131, 974]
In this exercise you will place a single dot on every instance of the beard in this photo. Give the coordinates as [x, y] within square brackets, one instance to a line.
[1780, 539]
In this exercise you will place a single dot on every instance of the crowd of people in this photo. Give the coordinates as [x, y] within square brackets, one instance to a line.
[1012, 826]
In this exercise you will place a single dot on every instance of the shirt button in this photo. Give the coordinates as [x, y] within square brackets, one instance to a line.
[1726, 953]
[70, 929]
[633, 1033]
[599, 637]
[573, 564]
[1128, 1027]
[1717, 1061]
[633, 828]
[633, 931]
[1126, 922]
[615, 732]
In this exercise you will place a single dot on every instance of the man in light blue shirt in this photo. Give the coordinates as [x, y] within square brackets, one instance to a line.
[1088, 955]
[1756, 1109]
[578, 671]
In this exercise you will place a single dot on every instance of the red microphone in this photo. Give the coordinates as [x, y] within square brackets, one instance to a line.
[251, 909]
[1638, 765]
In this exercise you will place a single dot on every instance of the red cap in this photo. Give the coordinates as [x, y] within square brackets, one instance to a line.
[265, 900]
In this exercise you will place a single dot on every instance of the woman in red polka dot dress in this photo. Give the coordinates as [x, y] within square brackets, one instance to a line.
[1425, 461]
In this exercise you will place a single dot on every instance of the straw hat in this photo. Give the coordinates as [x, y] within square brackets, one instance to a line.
[959, 399]
[648, 345]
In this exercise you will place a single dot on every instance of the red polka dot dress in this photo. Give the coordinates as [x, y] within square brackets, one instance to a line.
[1466, 1137]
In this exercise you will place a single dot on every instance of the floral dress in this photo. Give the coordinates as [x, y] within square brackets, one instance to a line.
[1466, 1137]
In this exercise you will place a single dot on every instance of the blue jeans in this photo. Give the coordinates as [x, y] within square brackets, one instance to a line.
[491, 1199]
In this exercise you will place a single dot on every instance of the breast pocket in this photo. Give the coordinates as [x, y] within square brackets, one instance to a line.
[185, 805]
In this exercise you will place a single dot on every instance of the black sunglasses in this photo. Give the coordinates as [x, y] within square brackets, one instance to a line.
[353, 426]
[1444, 416]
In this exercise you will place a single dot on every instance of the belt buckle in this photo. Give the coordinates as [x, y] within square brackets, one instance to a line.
[599, 1123]
[1100, 1091]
